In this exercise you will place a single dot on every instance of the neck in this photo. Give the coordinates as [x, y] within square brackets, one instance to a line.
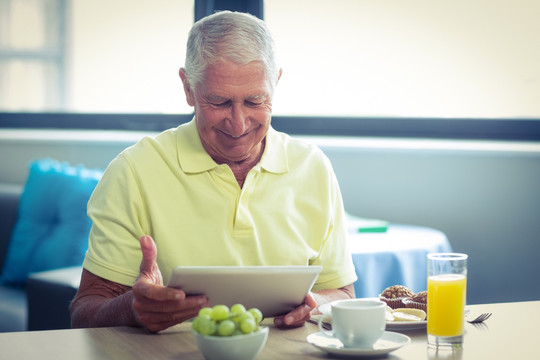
[241, 168]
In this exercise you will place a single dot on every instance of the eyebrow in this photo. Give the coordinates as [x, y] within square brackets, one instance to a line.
[257, 97]
[220, 99]
[215, 98]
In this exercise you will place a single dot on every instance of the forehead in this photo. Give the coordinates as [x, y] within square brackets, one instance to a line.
[228, 79]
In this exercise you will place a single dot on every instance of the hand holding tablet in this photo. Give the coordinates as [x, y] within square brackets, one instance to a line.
[275, 290]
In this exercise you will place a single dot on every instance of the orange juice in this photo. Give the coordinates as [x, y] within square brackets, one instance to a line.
[446, 304]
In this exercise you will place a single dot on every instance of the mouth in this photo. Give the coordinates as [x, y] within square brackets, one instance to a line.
[234, 136]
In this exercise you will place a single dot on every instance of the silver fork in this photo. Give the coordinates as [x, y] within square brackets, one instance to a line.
[325, 325]
[480, 318]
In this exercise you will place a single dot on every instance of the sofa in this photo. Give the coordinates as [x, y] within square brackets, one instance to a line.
[13, 301]
[41, 304]
[43, 239]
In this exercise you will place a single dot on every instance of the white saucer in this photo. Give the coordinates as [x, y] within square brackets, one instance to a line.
[389, 342]
[390, 325]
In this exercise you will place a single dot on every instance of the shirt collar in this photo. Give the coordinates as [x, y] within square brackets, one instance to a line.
[274, 158]
[194, 159]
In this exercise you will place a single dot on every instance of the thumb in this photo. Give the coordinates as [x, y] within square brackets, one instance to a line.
[149, 256]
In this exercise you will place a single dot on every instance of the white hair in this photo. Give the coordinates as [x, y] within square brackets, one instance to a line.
[233, 36]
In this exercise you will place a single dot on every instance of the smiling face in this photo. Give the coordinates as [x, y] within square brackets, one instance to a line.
[233, 107]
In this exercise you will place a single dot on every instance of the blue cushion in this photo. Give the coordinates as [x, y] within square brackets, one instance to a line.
[52, 226]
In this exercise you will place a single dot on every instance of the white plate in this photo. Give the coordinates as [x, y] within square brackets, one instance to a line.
[406, 325]
[390, 325]
[389, 342]
[409, 325]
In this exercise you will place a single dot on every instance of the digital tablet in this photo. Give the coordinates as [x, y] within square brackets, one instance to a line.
[274, 290]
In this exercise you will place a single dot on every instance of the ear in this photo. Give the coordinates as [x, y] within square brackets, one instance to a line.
[279, 75]
[190, 97]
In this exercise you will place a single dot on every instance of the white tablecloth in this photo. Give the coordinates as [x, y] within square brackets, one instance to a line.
[395, 257]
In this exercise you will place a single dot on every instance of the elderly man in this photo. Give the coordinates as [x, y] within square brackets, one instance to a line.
[223, 189]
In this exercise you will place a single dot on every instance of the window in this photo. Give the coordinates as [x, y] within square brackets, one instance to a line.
[32, 54]
[125, 55]
[414, 58]
[415, 68]
[112, 56]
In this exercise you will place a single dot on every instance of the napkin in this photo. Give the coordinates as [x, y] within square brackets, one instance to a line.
[357, 224]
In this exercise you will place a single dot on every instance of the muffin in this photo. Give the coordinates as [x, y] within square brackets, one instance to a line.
[394, 295]
[417, 301]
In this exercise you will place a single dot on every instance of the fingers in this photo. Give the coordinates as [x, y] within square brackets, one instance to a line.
[310, 301]
[144, 289]
[157, 307]
[157, 322]
[298, 316]
[159, 315]
[189, 304]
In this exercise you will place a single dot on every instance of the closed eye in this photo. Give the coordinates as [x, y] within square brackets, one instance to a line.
[253, 103]
[223, 104]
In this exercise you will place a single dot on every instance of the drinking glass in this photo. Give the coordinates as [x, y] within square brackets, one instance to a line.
[447, 291]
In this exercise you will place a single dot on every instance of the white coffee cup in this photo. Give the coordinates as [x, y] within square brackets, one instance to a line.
[356, 322]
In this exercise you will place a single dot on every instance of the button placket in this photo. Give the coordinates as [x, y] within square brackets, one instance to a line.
[243, 220]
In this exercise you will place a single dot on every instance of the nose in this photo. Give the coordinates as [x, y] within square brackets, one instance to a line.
[238, 120]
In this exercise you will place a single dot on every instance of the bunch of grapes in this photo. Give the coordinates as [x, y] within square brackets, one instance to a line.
[219, 320]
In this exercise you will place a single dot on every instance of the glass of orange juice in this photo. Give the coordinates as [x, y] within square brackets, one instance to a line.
[446, 293]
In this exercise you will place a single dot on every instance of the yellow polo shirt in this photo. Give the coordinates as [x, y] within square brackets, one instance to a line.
[289, 211]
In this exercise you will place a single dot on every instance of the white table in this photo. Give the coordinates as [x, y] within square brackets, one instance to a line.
[394, 257]
[511, 333]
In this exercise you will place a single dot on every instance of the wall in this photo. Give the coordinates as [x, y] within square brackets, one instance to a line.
[487, 202]
[484, 196]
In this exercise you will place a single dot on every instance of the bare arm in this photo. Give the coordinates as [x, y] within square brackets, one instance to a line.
[97, 298]
[329, 295]
[302, 313]
[100, 302]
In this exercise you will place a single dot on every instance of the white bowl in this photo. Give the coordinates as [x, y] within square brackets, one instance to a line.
[237, 347]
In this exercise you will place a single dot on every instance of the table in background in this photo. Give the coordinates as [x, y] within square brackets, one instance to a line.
[511, 333]
[394, 257]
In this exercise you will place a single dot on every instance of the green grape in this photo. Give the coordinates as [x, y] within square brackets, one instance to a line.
[220, 312]
[226, 328]
[219, 320]
[197, 321]
[248, 326]
[238, 309]
[246, 315]
[238, 319]
[205, 311]
[206, 326]
[195, 324]
[257, 315]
